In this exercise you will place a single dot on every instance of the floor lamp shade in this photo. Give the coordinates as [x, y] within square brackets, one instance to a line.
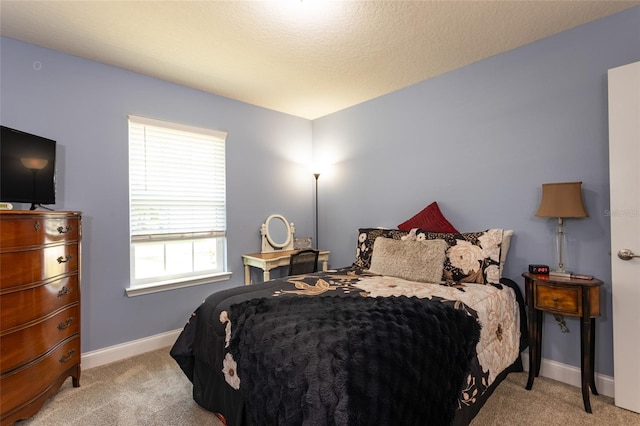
[561, 200]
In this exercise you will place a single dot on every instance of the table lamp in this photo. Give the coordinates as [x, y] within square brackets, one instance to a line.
[561, 200]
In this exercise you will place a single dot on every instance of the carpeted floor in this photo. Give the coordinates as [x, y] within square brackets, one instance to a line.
[549, 403]
[150, 389]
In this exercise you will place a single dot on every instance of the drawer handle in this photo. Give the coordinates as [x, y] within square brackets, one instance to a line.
[64, 291]
[65, 324]
[36, 225]
[68, 356]
[64, 230]
[555, 299]
[64, 259]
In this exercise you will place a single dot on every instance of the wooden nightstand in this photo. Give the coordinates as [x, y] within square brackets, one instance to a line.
[571, 297]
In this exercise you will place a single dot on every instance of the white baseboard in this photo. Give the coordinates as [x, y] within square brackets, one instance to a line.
[128, 349]
[570, 375]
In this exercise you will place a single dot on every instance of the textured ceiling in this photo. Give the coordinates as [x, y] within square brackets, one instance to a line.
[307, 58]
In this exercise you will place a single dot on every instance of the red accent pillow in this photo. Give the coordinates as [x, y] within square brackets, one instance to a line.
[429, 219]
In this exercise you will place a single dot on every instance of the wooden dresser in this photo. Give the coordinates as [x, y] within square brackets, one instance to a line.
[39, 308]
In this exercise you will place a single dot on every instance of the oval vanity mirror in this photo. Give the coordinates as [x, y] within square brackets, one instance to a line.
[277, 234]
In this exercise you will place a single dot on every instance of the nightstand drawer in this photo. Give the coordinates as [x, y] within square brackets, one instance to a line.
[560, 300]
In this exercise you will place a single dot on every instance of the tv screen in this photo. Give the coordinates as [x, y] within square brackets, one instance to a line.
[27, 168]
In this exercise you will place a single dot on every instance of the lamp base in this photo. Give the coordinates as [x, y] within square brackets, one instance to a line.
[559, 274]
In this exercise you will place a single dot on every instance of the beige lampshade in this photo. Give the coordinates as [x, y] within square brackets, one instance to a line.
[561, 200]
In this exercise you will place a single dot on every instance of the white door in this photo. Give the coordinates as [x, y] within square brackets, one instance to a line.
[624, 166]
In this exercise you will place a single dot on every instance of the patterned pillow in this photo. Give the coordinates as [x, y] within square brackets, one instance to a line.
[366, 238]
[472, 257]
[430, 219]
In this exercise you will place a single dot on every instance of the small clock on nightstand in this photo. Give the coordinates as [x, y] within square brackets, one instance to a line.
[538, 269]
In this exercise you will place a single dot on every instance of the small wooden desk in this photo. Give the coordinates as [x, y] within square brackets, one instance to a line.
[268, 261]
[564, 296]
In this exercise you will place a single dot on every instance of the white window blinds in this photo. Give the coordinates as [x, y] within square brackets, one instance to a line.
[177, 181]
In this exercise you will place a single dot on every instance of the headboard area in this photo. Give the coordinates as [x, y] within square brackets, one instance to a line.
[470, 257]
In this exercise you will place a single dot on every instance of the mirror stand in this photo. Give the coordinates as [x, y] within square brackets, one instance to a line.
[271, 244]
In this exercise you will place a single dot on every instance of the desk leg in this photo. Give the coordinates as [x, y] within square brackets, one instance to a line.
[247, 275]
[585, 345]
[266, 275]
[324, 265]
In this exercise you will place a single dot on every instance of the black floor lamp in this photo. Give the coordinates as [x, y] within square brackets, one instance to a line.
[317, 175]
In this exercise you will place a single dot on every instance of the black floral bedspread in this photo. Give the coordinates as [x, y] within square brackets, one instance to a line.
[351, 361]
[233, 348]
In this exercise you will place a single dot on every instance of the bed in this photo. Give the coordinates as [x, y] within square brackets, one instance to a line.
[419, 330]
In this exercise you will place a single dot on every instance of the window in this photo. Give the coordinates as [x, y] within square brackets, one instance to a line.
[177, 205]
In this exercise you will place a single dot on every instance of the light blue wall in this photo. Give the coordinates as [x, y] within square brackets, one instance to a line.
[480, 141]
[84, 106]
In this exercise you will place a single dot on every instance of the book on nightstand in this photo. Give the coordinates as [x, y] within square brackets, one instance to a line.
[569, 275]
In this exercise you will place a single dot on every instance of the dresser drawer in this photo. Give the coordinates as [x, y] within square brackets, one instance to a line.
[30, 342]
[21, 307]
[24, 384]
[32, 231]
[21, 268]
[565, 300]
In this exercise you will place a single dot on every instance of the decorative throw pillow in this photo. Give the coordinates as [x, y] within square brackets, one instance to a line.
[421, 261]
[430, 219]
[472, 257]
[504, 249]
[366, 238]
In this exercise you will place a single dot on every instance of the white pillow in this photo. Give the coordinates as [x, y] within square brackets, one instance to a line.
[421, 261]
[504, 248]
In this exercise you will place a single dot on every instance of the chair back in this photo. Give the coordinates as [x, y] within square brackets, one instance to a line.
[303, 262]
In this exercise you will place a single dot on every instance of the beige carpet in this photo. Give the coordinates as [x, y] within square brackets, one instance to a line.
[150, 389]
[549, 403]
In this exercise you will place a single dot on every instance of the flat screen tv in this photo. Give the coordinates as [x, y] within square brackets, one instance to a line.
[27, 168]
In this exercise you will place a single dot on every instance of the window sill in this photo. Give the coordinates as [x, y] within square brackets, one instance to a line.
[173, 285]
